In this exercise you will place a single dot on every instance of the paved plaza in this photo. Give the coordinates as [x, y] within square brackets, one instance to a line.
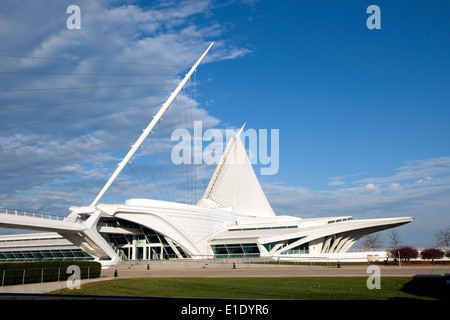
[255, 270]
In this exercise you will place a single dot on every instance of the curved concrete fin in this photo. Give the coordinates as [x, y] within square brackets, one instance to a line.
[234, 183]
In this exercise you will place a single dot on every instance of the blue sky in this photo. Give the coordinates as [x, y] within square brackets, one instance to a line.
[362, 114]
[350, 90]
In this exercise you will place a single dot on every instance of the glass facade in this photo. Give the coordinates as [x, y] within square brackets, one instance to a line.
[278, 245]
[281, 244]
[44, 255]
[301, 249]
[235, 250]
[140, 243]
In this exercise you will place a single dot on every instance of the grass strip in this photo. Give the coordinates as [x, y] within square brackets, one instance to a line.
[297, 288]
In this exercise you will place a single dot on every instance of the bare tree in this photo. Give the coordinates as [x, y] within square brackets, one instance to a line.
[372, 241]
[443, 238]
[395, 239]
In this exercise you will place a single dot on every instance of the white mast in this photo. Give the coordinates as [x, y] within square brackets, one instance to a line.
[149, 129]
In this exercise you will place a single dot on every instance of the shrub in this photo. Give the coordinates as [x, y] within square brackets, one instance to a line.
[432, 254]
[12, 273]
[404, 253]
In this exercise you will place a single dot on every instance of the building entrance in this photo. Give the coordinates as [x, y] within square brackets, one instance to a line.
[138, 242]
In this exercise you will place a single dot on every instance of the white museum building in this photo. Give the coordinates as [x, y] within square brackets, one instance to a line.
[232, 219]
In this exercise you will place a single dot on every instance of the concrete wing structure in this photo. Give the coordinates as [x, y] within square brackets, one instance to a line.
[290, 237]
[233, 219]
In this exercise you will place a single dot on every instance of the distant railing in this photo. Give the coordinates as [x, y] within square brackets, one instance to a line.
[119, 252]
[39, 215]
[22, 276]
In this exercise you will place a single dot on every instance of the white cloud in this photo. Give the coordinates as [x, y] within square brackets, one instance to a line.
[341, 180]
[395, 187]
[372, 188]
[415, 169]
[69, 143]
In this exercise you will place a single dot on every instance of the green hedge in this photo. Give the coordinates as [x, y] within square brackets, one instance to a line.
[12, 273]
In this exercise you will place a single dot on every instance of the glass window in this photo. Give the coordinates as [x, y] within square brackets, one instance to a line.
[169, 253]
[250, 249]
[301, 249]
[153, 238]
[181, 251]
[19, 255]
[10, 255]
[235, 250]
[219, 250]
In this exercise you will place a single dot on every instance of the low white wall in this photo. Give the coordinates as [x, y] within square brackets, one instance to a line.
[368, 256]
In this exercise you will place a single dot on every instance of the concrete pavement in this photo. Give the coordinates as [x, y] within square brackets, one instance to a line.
[278, 271]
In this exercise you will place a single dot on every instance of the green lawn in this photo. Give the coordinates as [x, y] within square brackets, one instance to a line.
[325, 288]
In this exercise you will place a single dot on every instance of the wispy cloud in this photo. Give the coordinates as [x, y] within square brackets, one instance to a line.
[341, 180]
[54, 141]
[415, 170]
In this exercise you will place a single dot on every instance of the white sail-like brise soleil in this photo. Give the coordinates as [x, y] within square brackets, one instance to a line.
[234, 184]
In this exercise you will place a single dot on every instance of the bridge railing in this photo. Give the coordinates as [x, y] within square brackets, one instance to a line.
[47, 216]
